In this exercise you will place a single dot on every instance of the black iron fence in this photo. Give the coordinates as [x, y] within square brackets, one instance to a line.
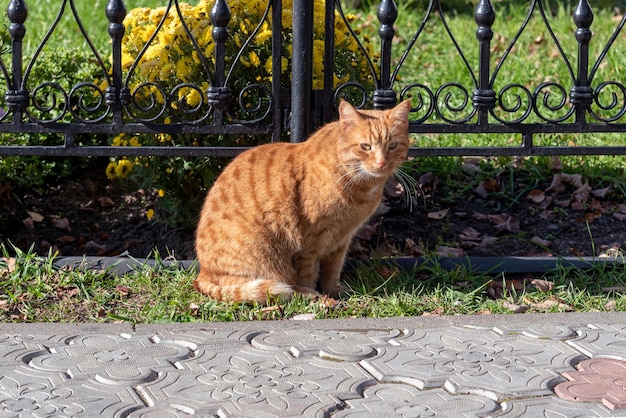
[288, 107]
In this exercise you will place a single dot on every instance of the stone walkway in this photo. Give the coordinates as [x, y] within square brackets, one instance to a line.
[550, 365]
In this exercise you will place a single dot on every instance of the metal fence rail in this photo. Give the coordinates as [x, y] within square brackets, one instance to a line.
[271, 108]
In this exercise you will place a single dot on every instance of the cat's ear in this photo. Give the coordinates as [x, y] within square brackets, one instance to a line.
[348, 115]
[400, 115]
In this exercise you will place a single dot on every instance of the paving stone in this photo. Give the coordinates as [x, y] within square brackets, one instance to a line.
[542, 331]
[330, 344]
[466, 360]
[596, 380]
[553, 407]
[31, 396]
[602, 341]
[111, 359]
[205, 338]
[397, 400]
[258, 383]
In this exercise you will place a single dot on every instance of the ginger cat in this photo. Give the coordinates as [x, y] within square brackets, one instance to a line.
[281, 216]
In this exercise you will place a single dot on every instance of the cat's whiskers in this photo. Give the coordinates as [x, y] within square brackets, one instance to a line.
[410, 186]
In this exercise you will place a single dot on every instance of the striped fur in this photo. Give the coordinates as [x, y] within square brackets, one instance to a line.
[281, 216]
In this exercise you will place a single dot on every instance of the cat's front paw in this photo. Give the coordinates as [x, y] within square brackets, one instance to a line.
[335, 290]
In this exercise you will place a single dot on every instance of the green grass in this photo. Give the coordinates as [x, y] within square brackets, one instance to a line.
[35, 290]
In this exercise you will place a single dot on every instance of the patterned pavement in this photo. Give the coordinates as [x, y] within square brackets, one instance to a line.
[550, 365]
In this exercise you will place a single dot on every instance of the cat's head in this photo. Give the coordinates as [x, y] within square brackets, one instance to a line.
[373, 143]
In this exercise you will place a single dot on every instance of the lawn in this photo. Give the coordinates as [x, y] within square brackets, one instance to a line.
[34, 289]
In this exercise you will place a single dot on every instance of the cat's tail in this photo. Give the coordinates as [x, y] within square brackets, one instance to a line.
[260, 290]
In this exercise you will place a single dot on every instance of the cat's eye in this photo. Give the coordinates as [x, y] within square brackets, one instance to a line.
[393, 146]
[366, 147]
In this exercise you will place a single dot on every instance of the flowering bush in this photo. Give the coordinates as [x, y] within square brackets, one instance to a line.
[172, 59]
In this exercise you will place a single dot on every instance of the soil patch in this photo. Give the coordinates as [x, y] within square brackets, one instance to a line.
[89, 215]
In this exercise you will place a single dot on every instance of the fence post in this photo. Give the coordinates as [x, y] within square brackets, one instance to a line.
[218, 94]
[116, 12]
[301, 69]
[17, 96]
[384, 96]
[581, 95]
[484, 98]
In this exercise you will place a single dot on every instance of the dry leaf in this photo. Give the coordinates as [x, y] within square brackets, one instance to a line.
[542, 285]
[366, 232]
[426, 179]
[469, 234]
[382, 209]
[435, 312]
[504, 222]
[271, 308]
[549, 304]
[619, 216]
[488, 240]
[123, 290]
[601, 193]
[65, 239]
[540, 242]
[35, 216]
[303, 317]
[582, 193]
[480, 190]
[536, 196]
[558, 183]
[614, 289]
[492, 185]
[610, 305]
[62, 224]
[440, 214]
[28, 223]
[10, 265]
[106, 202]
[555, 164]
[481, 216]
[444, 251]
[412, 248]
[514, 307]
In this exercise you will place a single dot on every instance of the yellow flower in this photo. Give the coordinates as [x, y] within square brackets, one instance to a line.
[123, 168]
[161, 192]
[110, 170]
[255, 61]
[134, 142]
[150, 213]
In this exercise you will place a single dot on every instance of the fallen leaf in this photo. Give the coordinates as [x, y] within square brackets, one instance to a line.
[10, 265]
[382, 209]
[540, 242]
[479, 216]
[435, 312]
[558, 183]
[614, 289]
[481, 191]
[610, 305]
[555, 164]
[426, 179]
[619, 216]
[106, 202]
[582, 193]
[440, 214]
[484, 311]
[62, 224]
[412, 248]
[469, 234]
[366, 232]
[514, 307]
[542, 285]
[28, 223]
[271, 308]
[35, 216]
[505, 222]
[601, 193]
[65, 239]
[444, 251]
[536, 196]
[122, 290]
[492, 185]
[303, 317]
[488, 240]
